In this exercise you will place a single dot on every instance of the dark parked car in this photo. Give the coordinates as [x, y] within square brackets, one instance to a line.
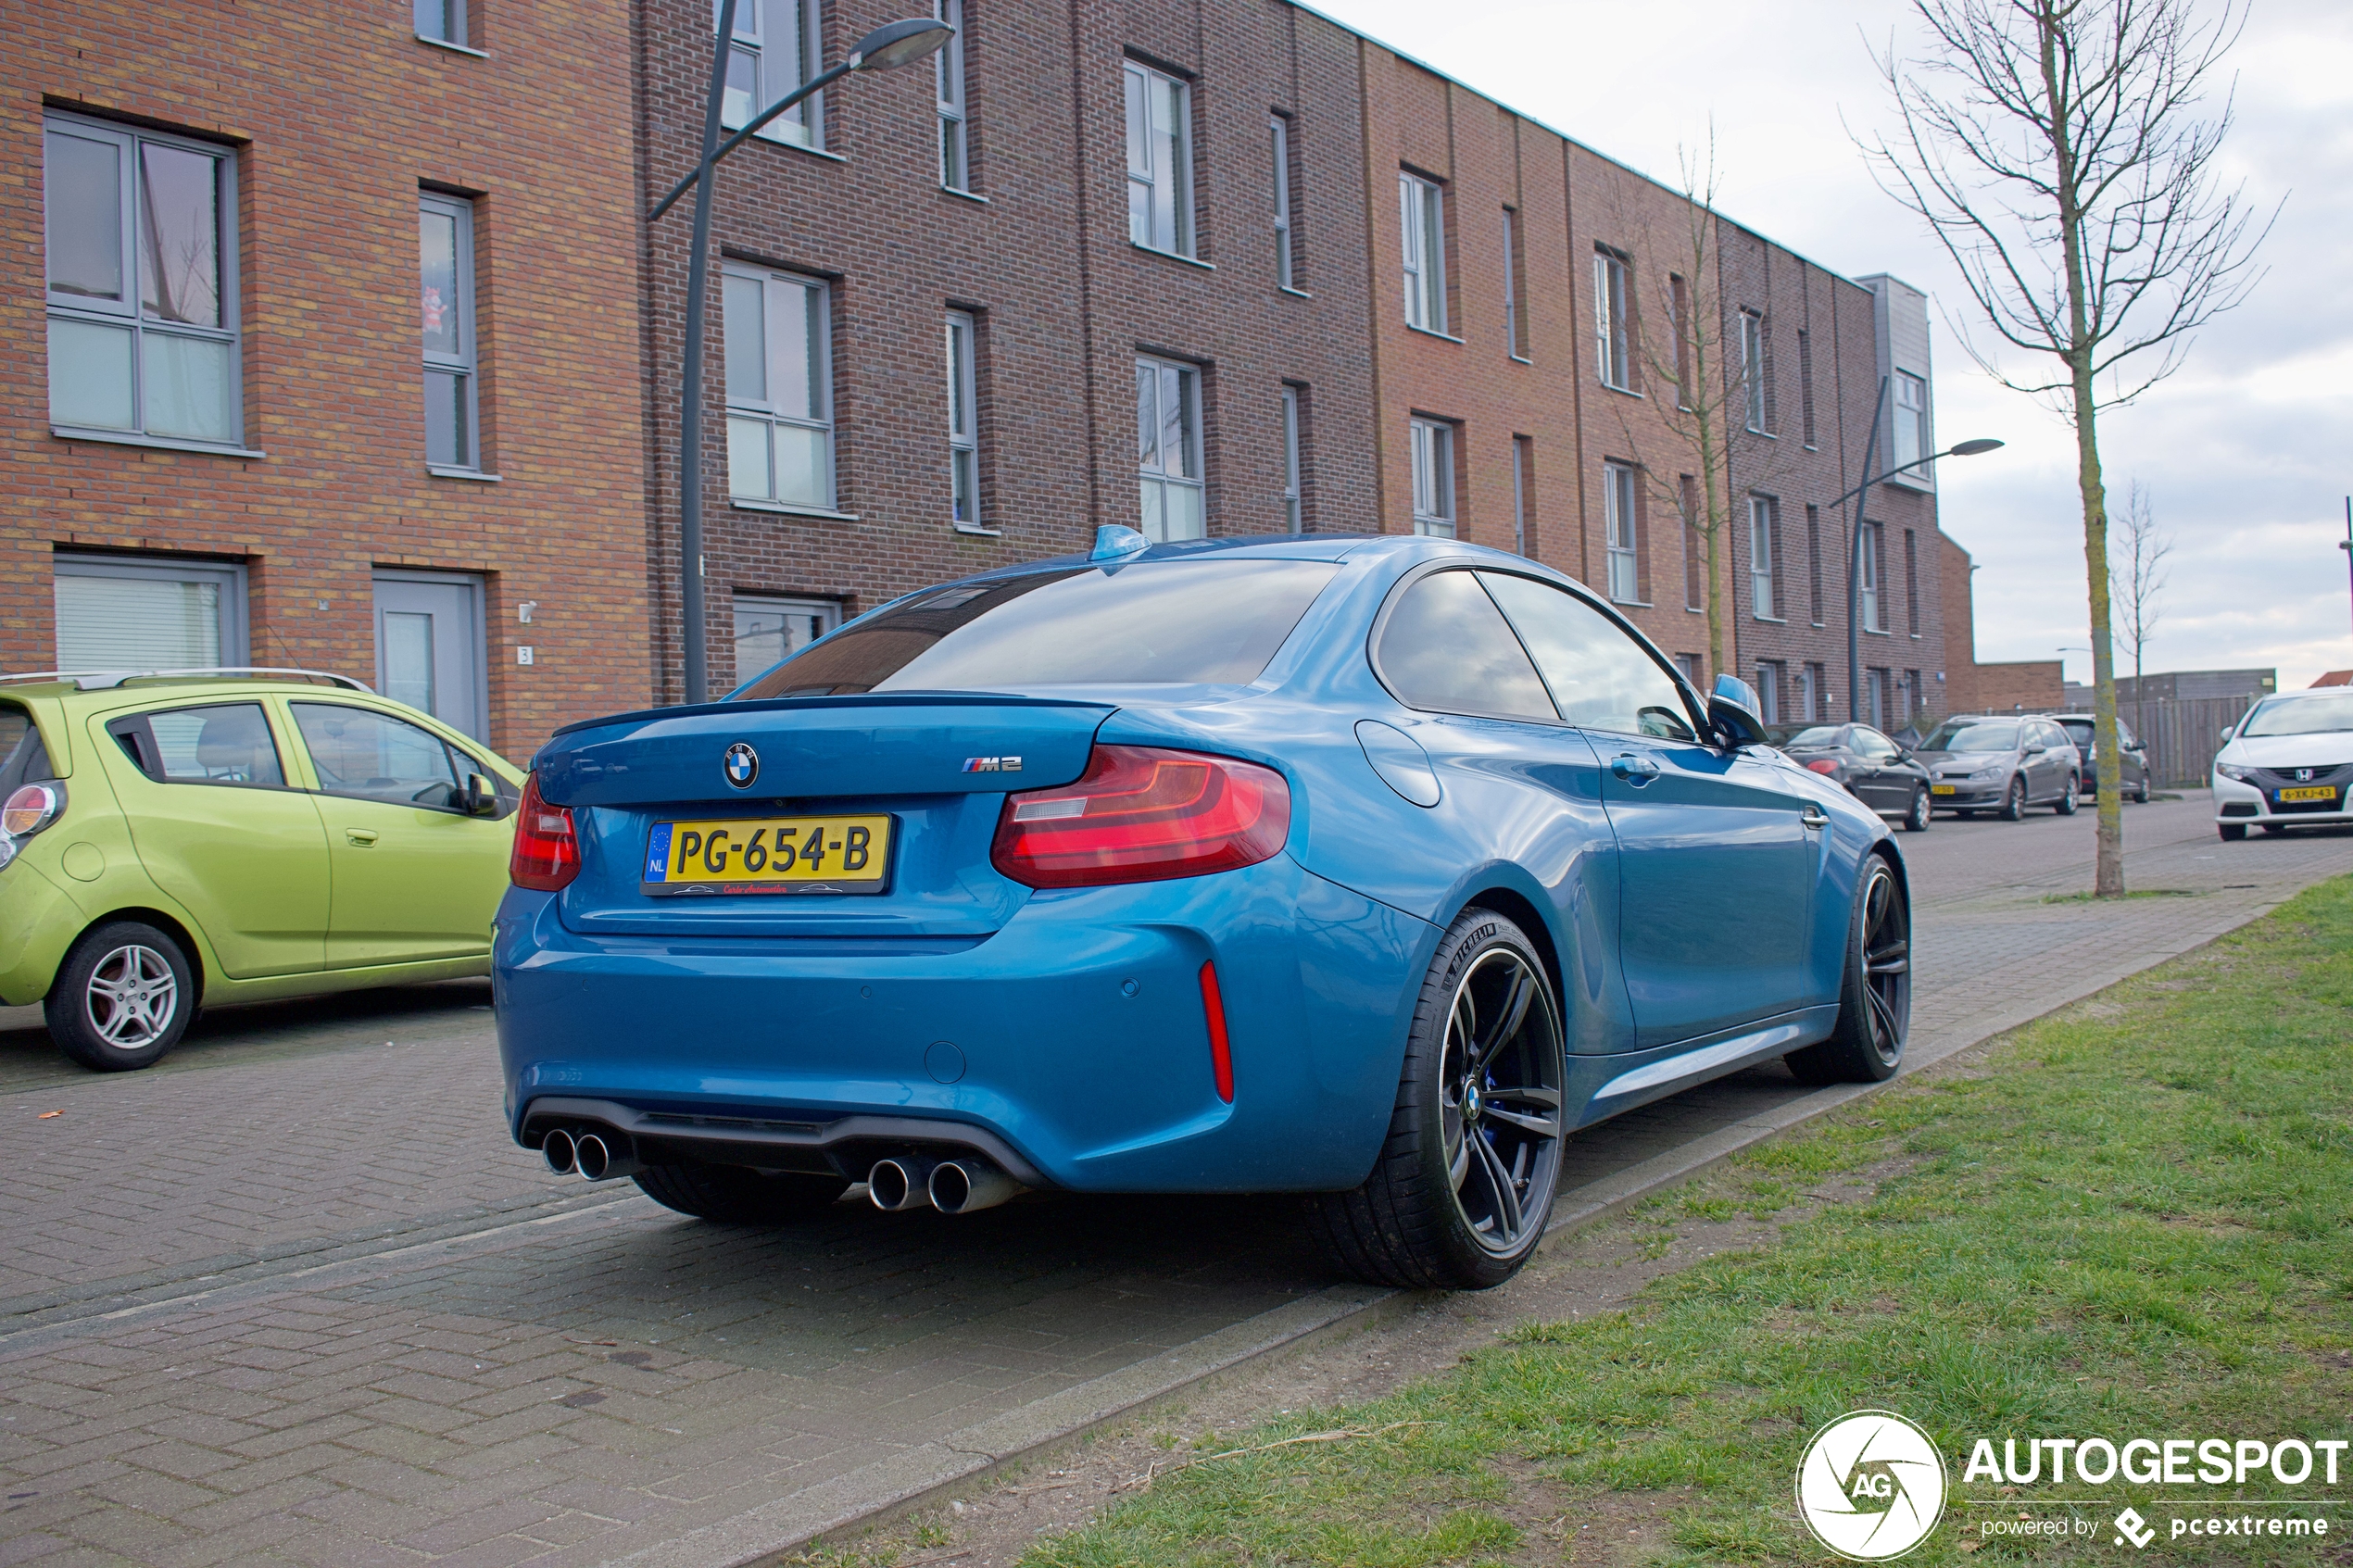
[2003, 764]
[2134, 774]
[1875, 770]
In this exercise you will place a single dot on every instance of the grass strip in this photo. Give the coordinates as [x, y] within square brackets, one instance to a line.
[2128, 1219]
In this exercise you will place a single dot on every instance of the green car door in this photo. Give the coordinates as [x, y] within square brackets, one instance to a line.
[415, 877]
[217, 827]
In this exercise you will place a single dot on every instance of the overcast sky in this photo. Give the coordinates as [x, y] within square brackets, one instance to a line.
[2248, 452]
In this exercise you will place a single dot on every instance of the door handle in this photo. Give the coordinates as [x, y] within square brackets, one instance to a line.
[1815, 817]
[1636, 771]
[361, 836]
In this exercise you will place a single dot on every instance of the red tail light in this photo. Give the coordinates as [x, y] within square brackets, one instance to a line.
[1824, 765]
[1141, 814]
[547, 853]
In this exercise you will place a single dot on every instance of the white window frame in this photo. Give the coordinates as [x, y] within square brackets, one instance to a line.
[825, 611]
[1753, 369]
[955, 122]
[1769, 690]
[756, 25]
[1523, 451]
[1155, 478]
[1421, 215]
[963, 423]
[1294, 497]
[464, 364]
[450, 16]
[1762, 523]
[1867, 582]
[1908, 439]
[1621, 534]
[229, 577]
[1278, 136]
[68, 309]
[1612, 325]
[1432, 446]
[1511, 283]
[1146, 180]
[744, 411]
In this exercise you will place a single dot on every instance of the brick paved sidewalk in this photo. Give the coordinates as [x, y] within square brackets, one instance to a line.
[249, 1326]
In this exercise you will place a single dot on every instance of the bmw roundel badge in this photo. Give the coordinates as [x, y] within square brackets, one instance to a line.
[742, 765]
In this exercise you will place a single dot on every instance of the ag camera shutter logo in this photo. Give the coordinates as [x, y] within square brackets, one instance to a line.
[1871, 1486]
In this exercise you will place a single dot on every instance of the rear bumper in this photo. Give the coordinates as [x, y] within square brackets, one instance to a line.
[1073, 1040]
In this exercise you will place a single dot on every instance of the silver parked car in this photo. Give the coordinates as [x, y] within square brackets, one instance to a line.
[2001, 763]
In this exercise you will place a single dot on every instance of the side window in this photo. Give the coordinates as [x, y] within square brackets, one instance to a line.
[223, 743]
[1871, 744]
[1445, 647]
[1602, 678]
[372, 755]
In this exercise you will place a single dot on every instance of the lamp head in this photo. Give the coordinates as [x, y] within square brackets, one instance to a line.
[1967, 448]
[899, 44]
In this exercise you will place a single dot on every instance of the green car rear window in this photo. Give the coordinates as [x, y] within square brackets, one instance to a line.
[26, 757]
[225, 743]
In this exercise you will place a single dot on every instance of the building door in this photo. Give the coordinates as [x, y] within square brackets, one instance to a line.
[429, 645]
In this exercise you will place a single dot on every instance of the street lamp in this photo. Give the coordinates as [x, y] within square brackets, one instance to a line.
[1854, 541]
[887, 48]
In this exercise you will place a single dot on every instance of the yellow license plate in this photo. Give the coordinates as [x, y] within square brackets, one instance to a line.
[1943, 789]
[2310, 792]
[768, 855]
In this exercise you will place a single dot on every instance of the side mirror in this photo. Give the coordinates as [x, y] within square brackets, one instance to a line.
[2226, 733]
[1739, 726]
[482, 797]
[2035, 748]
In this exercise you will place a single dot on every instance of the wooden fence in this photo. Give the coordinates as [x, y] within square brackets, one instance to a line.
[2182, 734]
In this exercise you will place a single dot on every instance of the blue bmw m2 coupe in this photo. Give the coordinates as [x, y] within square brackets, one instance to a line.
[1368, 868]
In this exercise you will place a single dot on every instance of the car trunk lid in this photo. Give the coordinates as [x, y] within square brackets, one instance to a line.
[937, 765]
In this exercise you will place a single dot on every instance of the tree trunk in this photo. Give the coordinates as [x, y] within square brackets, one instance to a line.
[2108, 880]
[2109, 877]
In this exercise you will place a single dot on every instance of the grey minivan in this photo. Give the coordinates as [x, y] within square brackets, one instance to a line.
[2001, 763]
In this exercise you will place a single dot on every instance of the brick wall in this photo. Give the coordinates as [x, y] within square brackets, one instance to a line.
[337, 117]
[1066, 302]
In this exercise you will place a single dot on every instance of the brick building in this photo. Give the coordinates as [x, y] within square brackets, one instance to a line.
[324, 349]
[1236, 269]
[1226, 270]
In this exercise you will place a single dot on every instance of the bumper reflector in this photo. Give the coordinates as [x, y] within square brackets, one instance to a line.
[1221, 1055]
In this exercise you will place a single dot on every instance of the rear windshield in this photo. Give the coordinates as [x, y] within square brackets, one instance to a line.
[1973, 734]
[23, 759]
[1810, 738]
[1156, 621]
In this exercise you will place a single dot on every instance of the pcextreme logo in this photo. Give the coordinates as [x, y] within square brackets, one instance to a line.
[1871, 1486]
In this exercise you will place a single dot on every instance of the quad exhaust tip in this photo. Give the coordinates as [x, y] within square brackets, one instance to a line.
[900, 1184]
[964, 1187]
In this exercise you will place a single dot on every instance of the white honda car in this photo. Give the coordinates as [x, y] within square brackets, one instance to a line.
[2288, 763]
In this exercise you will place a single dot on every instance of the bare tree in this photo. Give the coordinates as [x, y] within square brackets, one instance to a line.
[1692, 433]
[2057, 149]
[2140, 576]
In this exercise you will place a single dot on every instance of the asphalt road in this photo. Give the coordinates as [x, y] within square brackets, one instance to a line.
[293, 1296]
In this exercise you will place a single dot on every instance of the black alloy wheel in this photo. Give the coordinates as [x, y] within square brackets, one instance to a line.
[1463, 1186]
[1875, 998]
[2014, 803]
[2067, 803]
[1917, 818]
[2143, 798]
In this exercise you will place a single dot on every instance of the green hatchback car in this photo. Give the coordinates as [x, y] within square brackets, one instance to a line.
[180, 838]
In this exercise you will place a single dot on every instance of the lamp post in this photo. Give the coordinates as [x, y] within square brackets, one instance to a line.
[1854, 543]
[886, 48]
